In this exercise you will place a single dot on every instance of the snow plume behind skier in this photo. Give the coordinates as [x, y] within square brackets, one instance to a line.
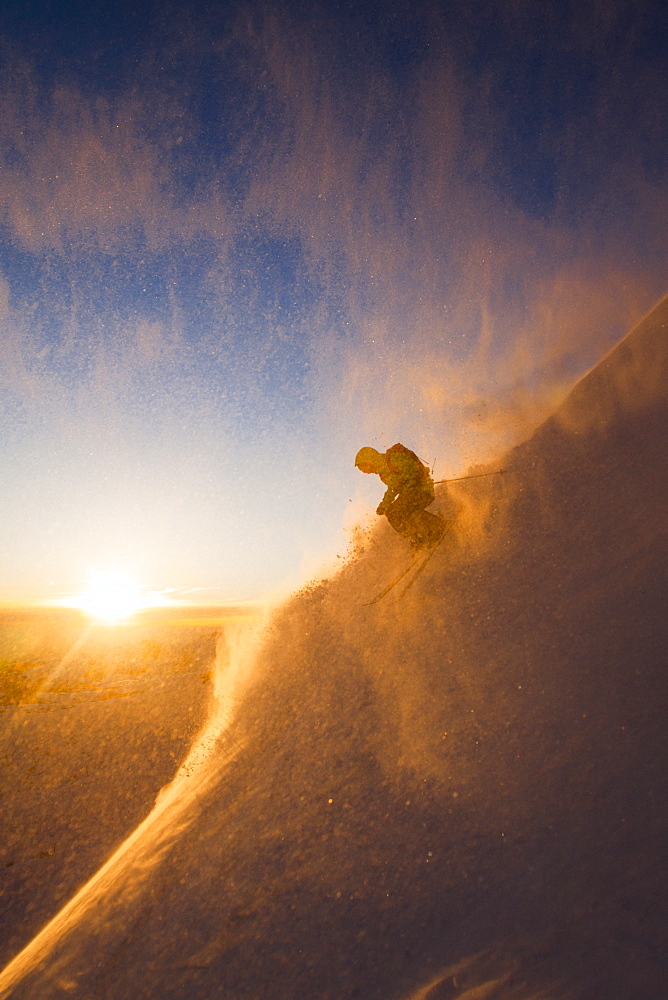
[410, 489]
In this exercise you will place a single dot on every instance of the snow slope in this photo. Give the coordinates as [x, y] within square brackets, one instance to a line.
[455, 794]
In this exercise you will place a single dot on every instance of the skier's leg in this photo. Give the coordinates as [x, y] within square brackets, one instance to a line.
[409, 518]
[430, 527]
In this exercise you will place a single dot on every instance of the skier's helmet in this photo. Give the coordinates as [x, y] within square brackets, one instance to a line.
[368, 460]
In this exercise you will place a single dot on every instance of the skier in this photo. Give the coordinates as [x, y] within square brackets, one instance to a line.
[410, 489]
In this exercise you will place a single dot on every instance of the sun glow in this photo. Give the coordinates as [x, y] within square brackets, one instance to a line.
[111, 598]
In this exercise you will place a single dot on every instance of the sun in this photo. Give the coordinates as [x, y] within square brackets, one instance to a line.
[111, 597]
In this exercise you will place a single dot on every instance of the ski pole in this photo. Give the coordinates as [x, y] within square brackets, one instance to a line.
[478, 475]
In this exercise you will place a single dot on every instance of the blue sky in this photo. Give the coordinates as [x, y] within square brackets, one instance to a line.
[239, 241]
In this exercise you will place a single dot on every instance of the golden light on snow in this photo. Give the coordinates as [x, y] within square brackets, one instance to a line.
[111, 597]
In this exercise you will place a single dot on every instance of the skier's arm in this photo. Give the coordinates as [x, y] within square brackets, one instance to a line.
[390, 495]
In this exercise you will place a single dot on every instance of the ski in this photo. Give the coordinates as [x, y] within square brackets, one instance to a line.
[420, 568]
[418, 559]
[392, 583]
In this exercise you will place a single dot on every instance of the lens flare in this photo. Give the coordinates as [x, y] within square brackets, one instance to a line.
[111, 597]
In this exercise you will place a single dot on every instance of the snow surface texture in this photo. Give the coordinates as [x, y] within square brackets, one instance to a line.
[456, 794]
